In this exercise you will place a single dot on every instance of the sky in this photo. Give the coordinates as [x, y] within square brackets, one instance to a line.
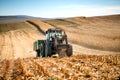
[59, 8]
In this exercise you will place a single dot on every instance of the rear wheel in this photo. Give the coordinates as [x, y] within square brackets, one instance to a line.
[69, 51]
[47, 51]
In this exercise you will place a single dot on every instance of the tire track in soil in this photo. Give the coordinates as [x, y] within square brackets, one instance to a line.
[2, 47]
[6, 48]
[2, 41]
[7, 66]
[8, 51]
[11, 55]
[30, 34]
[28, 44]
[19, 48]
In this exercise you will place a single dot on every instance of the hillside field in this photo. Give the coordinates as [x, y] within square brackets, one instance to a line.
[96, 49]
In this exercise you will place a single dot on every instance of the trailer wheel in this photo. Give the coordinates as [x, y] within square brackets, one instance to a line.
[40, 52]
[69, 51]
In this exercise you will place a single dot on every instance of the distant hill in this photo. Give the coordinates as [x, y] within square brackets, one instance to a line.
[17, 18]
[21, 18]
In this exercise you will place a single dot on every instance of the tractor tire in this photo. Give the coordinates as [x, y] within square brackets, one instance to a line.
[42, 51]
[47, 51]
[69, 51]
[38, 53]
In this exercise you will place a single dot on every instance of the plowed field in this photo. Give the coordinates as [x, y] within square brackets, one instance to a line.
[96, 50]
[81, 67]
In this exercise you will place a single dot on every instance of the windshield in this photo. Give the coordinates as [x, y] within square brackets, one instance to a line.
[57, 33]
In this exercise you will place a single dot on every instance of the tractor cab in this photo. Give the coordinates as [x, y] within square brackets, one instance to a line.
[54, 33]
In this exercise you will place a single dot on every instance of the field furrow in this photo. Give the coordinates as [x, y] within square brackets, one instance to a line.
[9, 70]
[3, 64]
[2, 41]
[18, 70]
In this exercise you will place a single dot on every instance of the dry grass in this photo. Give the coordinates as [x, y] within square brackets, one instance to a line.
[78, 67]
[90, 33]
[13, 26]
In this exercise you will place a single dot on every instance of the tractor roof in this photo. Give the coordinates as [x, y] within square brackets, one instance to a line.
[53, 30]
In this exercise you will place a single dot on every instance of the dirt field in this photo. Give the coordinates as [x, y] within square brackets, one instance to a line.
[101, 33]
[96, 48]
[17, 40]
[81, 67]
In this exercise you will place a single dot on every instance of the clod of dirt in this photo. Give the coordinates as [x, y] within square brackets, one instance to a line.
[87, 76]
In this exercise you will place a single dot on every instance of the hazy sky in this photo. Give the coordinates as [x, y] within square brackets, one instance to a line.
[59, 8]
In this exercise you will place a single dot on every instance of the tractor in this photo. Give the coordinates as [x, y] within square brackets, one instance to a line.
[56, 43]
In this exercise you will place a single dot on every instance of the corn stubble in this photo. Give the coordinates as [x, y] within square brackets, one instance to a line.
[80, 67]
